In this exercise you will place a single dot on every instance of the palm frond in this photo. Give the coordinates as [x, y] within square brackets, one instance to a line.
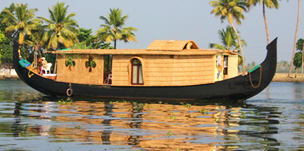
[113, 30]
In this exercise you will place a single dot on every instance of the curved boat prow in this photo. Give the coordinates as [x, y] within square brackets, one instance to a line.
[272, 51]
[272, 45]
[263, 75]
[16, 58]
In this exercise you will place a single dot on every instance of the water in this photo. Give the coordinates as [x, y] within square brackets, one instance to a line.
[272, 120]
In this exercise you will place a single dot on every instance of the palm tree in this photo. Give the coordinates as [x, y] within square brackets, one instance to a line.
[229, 42]
[231, 10]
[37, 42]
[228, 39]
[295, 38]
[62, 28]
[268, 4]
[113, 29]
[20, 22]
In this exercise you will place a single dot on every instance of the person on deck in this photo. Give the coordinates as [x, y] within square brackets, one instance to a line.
[44, 65]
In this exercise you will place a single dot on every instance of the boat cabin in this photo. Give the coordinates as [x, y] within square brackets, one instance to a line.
[162, 63]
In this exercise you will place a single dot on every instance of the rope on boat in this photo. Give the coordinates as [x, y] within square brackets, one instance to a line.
[25, 64]
[260, 79]
[31, 67]
[69, 91]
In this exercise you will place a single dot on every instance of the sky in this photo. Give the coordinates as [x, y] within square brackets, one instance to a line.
[184, 20]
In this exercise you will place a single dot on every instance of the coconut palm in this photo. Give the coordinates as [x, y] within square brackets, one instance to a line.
[113, 29]
[228, 40]
[11, 8]
[36, 41]
[295, 38]
[268, 4]
[231, 10]
[62, 28]
[20, 21]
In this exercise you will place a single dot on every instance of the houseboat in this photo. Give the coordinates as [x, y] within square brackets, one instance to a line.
[164, 70]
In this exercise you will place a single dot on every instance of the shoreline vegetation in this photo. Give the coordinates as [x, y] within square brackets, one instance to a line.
[278, 77]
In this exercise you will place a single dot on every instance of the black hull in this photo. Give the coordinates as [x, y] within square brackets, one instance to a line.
[237, 88]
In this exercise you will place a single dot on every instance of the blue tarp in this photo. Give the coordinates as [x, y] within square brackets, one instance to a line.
[24, 63]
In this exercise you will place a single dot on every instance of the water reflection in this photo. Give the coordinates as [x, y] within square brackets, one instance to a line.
[144, 125]
[298, 90]
[273, 120]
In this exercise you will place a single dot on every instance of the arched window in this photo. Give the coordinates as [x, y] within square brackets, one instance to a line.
[137, 74]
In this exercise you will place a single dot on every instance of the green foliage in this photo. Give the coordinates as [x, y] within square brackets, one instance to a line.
[203, 111]
[84, 35]
[90, 64]
[65, 102]
[169, 134]
[20, 21]
[77, 127]
[228, 39]
[58, 32]
[229, 9]
[267, 3]
[81, 45]
[300, 44]
[113, 29]
[61, 27]
[173, 117]
[187, 105]
[3, 15]
[6, 51]
[69, 63]
[2, 36]
[243, 114]
[297, 62]
[88, 41]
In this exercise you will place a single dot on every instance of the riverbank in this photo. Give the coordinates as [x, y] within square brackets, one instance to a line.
[282, 77]
[8, 74]
[9, 77]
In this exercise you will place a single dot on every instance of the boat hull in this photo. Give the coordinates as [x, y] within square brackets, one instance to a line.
[238, 88]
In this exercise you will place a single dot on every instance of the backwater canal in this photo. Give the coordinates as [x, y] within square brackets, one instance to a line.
[272, 120]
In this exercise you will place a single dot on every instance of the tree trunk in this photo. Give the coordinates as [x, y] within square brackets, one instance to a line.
[240, 44]
[266, 23]
[35, 57]
[295, 38]
[302, 57]
[296, 73]
[55, 66]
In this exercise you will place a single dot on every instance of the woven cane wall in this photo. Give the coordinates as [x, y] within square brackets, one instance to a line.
[79, 73]
[166, 70]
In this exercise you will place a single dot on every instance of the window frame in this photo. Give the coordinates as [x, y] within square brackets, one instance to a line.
[139, 69]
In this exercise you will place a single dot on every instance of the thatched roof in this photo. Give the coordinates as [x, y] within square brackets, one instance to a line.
[135, 52]
[172, 45]
[157, 47]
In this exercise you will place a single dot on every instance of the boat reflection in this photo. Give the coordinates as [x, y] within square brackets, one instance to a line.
[149, 125]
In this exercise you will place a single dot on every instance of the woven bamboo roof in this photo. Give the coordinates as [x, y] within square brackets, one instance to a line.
[172, 45]
[157, 47]
[135, 52]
